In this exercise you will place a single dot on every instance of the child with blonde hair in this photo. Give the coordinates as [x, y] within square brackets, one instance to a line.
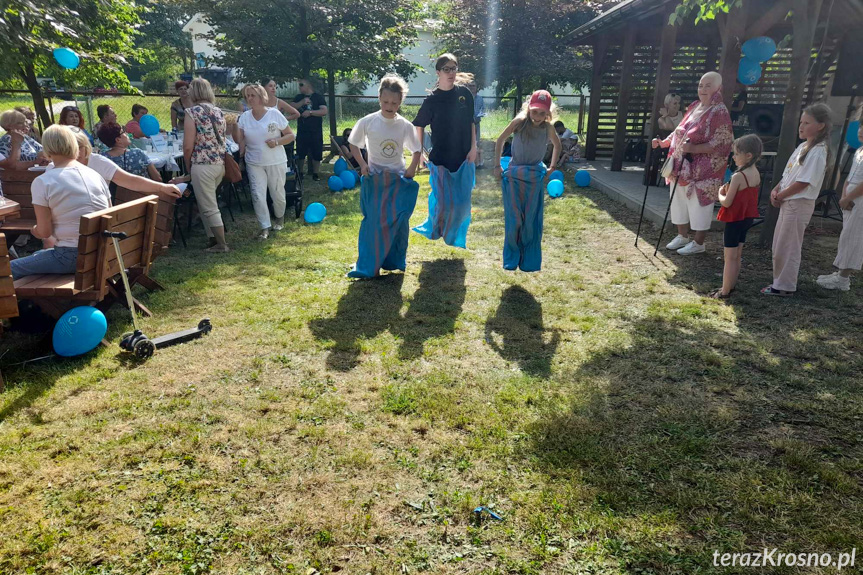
[795, 197]
[532, 130]
[739, 199]
[388, 192]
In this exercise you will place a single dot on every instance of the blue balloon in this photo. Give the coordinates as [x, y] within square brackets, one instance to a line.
[315, 213]
[349, 179]
[341, 166]
[555, 188]
[749, 71]
[79, 330]
[504, 161]
[149, 125]
[335, 183]
[759, 49]
[582, 178]
[66, 58]
[851, 136]
[727, 175]
[556, 175]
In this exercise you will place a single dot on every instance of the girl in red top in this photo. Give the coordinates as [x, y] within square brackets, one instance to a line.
[739, 199]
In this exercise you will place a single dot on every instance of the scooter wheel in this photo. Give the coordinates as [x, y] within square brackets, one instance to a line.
[126, 341]
[204, 325]
[144, 348]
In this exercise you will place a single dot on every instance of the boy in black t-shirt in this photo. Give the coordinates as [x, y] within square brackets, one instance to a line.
[310, 126]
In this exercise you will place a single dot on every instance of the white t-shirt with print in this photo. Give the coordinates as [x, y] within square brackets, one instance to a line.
[811, 172]
[99, 164]
[257, 132]
[70, 192]
[385, 140]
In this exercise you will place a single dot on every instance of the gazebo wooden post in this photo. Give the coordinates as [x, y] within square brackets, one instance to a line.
[623, 98]
[732, 31]
[667, 46]
[804, 34]
[600, 47]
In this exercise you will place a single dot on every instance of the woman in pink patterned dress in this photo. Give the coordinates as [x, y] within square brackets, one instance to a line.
[699, 147]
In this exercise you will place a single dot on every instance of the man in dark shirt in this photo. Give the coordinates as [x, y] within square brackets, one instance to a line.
[310, 126]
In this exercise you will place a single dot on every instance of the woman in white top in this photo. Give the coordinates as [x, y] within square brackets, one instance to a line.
[60, 198]
[263, 132]
[849, 257]
[795, 197]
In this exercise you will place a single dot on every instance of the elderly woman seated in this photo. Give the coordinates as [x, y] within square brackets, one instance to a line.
[18, 151]
[132, 160]
[60, 197]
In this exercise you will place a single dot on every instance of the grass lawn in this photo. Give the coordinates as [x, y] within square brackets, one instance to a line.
[618, 420]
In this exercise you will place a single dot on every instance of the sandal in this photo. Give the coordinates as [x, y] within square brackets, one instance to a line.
[717, 294]
[770, 290]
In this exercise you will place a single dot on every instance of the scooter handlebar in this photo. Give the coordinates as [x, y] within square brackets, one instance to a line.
[118, 235]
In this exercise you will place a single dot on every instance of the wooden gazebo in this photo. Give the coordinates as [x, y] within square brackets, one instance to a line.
[638, 58]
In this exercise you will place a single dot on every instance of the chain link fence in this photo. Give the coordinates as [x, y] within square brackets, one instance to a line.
[348, 109]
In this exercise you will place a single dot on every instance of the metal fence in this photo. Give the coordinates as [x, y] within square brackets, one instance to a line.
[348, 109]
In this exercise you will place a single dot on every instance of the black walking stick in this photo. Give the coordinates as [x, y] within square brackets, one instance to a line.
[647, 172]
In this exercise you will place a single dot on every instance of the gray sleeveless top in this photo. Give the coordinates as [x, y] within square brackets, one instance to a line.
[529, 145]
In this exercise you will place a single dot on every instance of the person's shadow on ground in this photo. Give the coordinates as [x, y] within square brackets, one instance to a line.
[435, 305]
[367, 309]
[518, 322]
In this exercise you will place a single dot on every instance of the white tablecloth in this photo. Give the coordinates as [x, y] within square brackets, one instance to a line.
[166, 160]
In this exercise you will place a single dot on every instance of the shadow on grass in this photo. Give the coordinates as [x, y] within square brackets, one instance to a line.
[435, 305]
[518, 322]
[690, 439]
[368, 308]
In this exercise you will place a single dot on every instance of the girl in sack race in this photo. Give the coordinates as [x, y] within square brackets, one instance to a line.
[705, 135]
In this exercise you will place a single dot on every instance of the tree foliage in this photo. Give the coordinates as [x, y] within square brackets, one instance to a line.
[161, 41]
[100, 31]
[531, 46]
[701, 9]
[295, 38]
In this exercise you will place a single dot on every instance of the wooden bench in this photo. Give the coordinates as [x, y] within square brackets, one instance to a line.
[8, 301]
[16, 186]
[95, 281]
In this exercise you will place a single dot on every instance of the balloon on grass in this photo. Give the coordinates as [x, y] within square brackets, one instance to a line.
[78, 331]
[335, 183]
[556, 175]
[349, 179]
[315, 213]
[341, 166]
[555, 188]
[582, 178]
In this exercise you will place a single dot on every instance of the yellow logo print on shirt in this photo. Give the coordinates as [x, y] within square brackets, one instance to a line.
[389, 149]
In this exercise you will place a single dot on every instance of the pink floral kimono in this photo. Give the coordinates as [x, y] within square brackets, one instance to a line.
[706, 172]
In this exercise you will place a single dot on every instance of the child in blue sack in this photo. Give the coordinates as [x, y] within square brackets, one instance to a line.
[522, 182]
[388, 192]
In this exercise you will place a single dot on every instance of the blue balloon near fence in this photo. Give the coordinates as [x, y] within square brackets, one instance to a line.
[149, 125]
[556, 175]
[335, 183]
[582, 178]
[315, 213]
[851, 136]
[66, 58]
[759, 49]
[341, 166]
[349, 179]
[554, 188]
[749, 71]
[504, 161]
[78, 331]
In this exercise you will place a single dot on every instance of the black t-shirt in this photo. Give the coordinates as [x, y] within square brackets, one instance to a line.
[312, 124]
[450, 114]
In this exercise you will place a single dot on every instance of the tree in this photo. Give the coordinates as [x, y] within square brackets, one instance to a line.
[161, 39]
[100, 31]
[520, 44]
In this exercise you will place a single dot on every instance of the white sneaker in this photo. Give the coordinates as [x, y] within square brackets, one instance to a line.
[677, 243]
[691, 248]
[264, 234]
[835, 282]
[826, 277]
[278, 223]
